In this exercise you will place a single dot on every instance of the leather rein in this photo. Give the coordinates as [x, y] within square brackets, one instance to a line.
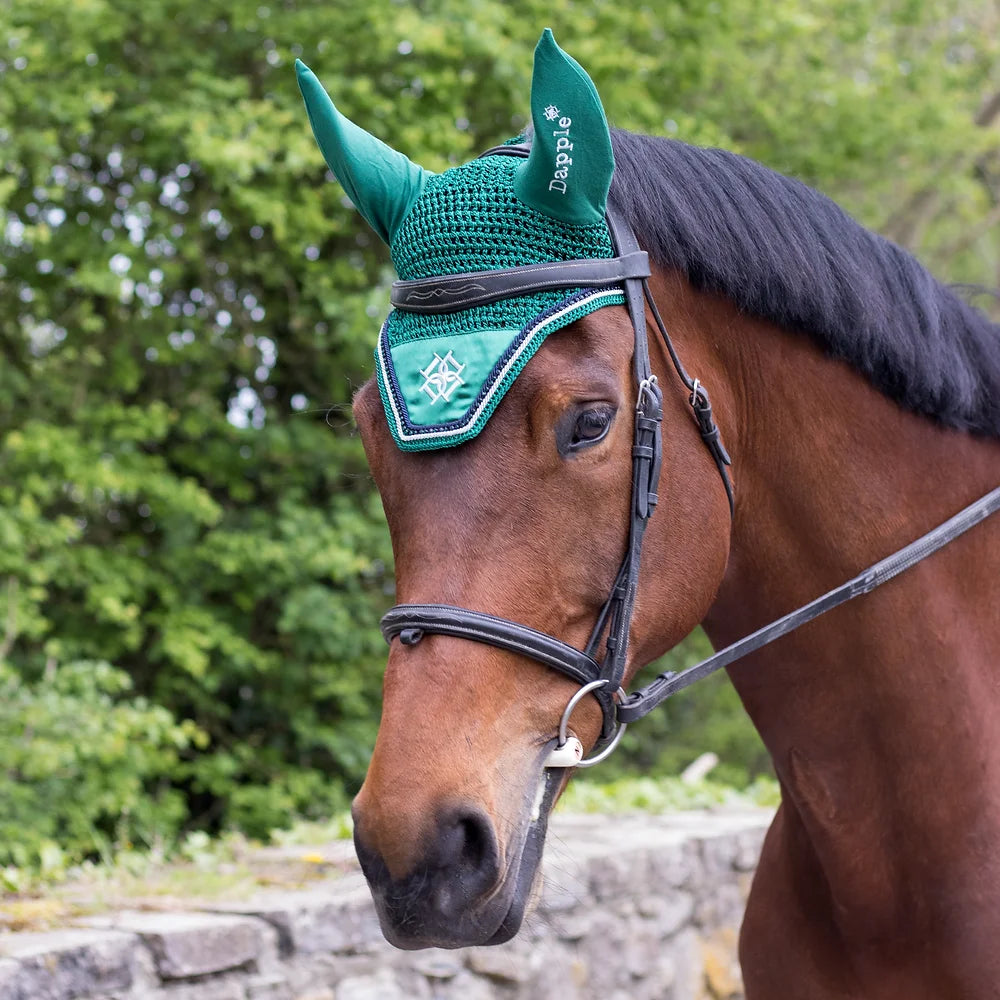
[630, 271]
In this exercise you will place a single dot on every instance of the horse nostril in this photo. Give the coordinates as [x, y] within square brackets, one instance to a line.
[465, 841]
[466, 854]
[475, 842]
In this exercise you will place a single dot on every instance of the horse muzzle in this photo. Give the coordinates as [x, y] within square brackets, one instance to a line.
[465, 889]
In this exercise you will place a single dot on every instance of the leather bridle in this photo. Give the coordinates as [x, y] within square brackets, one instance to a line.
[630, 271]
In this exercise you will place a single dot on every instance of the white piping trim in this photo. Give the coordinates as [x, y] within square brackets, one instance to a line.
[453, 432]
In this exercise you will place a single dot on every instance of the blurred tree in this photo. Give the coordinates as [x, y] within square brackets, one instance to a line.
[188, 305]
[83, 768]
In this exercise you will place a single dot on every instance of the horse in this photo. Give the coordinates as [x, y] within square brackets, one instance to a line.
[858, 401]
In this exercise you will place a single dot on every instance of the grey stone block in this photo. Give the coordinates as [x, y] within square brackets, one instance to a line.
[66, 964]
[719, 855]
[565, 884]
[318, 921]
[10, 974]
[436, 963]
[608, 875]
[381, 985]
[224, 988]
[268, 988]
[465, 986]
[556, 971]
[193, 944]
[748, 847]
[662, 975]
[668, 913]
[506, 965]
[674, 866]
[573, 924]
[721, 906]
[690, 971]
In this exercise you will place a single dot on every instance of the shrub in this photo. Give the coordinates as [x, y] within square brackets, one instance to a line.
[84, 765]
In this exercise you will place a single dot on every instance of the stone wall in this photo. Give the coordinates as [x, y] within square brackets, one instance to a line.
[634, 908]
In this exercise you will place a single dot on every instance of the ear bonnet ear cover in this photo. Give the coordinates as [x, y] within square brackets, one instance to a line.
[382, 183]
[441, 376]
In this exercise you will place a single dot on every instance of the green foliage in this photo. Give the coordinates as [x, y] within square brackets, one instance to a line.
[187, 298]
[84, 767]
[705, 717]
[664, 794]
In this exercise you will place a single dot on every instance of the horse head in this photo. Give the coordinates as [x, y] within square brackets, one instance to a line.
[502, 434]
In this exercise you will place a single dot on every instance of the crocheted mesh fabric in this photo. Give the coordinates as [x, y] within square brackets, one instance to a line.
[441, 376]
[469, 219]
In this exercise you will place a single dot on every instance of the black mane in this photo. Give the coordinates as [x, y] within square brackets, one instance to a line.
[783, 252]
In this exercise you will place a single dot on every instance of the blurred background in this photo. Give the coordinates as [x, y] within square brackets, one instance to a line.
[193, 560]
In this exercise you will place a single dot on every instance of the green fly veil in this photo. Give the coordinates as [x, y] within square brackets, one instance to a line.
[441, 375]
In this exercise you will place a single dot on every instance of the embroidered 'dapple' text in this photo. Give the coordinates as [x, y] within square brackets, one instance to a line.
[563, 159]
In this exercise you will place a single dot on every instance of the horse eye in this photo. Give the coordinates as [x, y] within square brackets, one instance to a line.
[590, 427]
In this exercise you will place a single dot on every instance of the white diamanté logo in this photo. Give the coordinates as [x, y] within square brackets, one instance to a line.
[442, 377]
[551, 113]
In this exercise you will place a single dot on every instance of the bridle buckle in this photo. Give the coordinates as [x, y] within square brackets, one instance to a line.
[647, 394]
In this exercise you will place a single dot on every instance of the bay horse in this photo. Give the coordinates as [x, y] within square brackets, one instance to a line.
[859, 400]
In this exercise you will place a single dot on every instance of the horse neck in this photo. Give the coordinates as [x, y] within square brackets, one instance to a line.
[881, 716]
[832, 476]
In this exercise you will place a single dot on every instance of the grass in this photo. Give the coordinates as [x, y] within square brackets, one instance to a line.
[659, 795]
[201, 868]
[233, 867]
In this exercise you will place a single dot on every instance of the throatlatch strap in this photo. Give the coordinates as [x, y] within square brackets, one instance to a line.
[700, 404]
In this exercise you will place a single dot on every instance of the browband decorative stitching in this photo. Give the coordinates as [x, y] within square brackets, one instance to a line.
[455, 292]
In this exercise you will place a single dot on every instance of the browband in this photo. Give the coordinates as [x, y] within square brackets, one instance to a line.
[454, 292]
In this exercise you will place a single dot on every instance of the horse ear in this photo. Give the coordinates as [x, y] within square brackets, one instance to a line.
[382, 183]
[568, 173]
